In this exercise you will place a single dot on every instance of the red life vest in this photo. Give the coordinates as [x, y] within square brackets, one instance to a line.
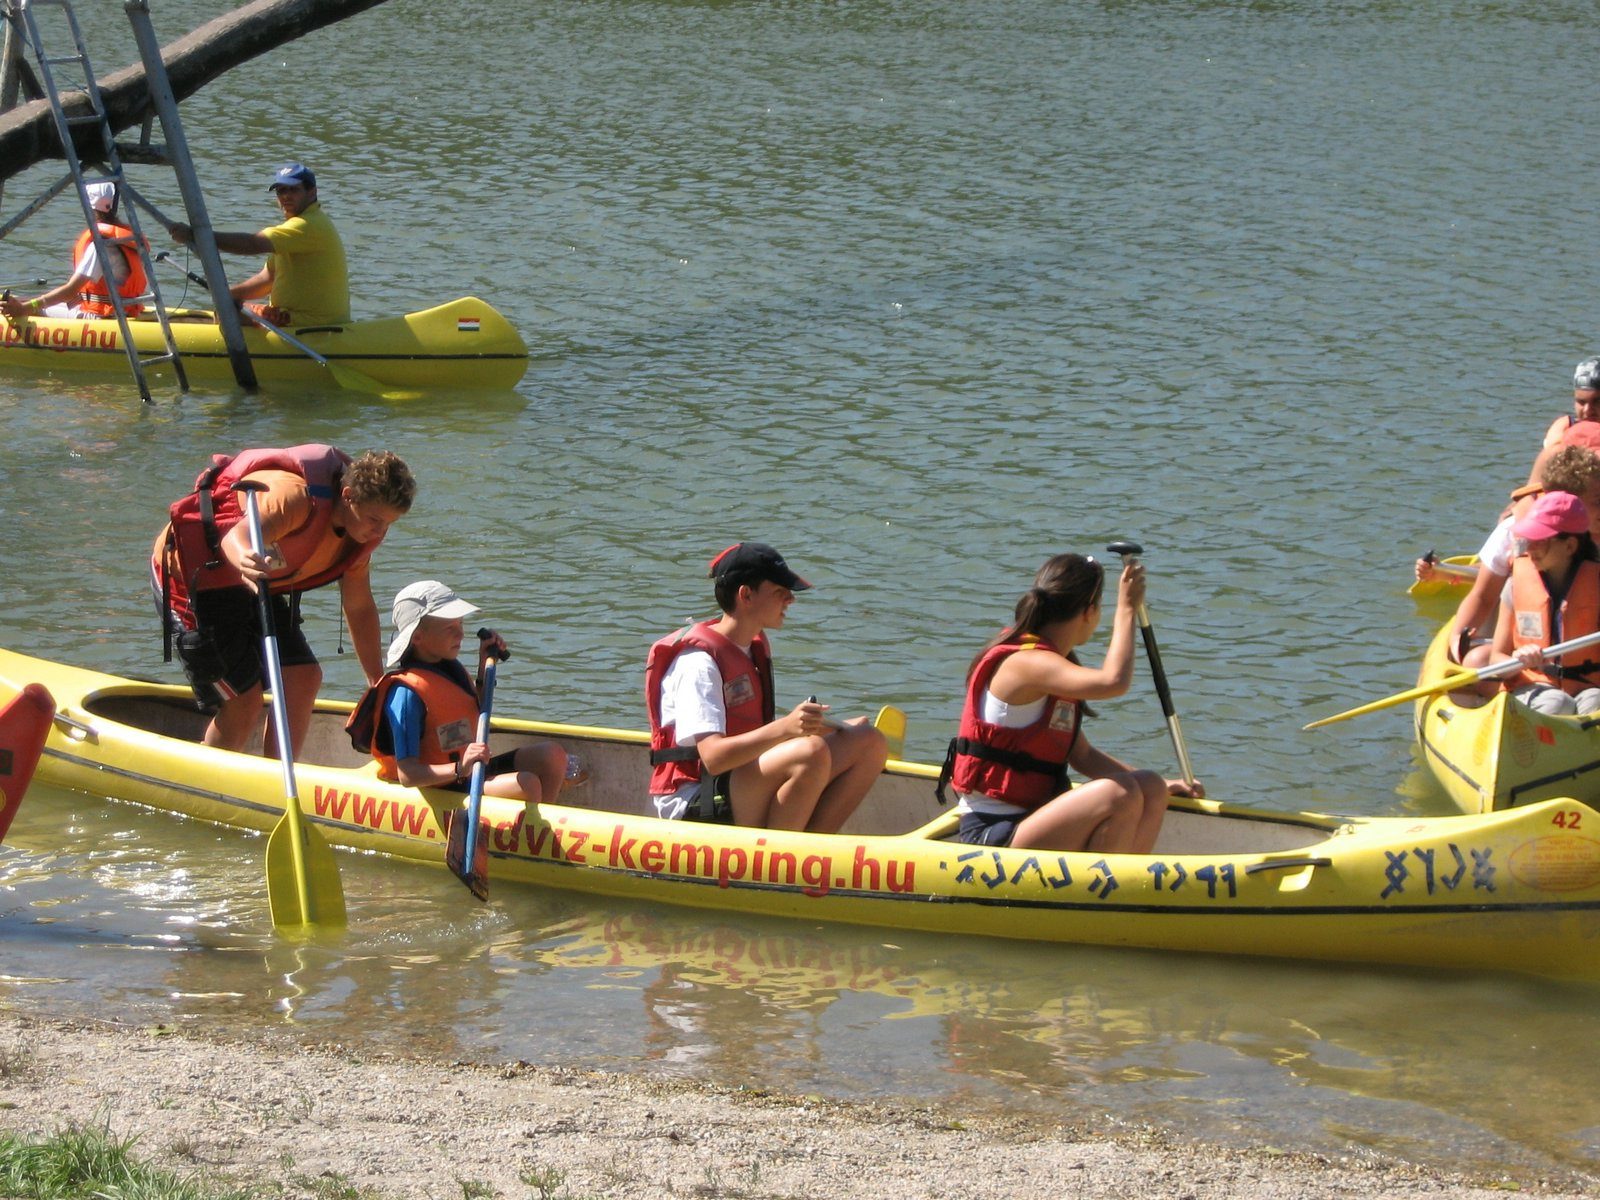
[93, 296]
[746, 694]
[1533, 624]
[189, 559]
[451, 701]
[1027, 766]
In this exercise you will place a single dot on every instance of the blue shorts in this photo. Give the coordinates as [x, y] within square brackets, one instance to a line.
[987, 829]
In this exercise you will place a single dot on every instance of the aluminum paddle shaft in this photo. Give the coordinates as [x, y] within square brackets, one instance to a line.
[1129, 552]
[303, 887]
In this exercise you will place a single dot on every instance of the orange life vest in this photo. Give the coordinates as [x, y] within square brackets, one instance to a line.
[451, 703]
[746, 694]
[93, 298]
[1534, 624]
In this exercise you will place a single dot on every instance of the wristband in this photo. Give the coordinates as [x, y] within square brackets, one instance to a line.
[35, 306]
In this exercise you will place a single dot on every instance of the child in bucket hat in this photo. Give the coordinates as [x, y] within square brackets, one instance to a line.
[420, 720]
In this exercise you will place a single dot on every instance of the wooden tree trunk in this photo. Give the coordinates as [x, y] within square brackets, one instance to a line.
[28, 132]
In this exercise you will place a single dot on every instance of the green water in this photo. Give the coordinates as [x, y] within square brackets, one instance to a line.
[922, 293]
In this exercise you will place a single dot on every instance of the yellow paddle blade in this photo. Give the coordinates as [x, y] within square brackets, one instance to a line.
[353, 380]
[1448, 683]
[322, 902]
[891, 722]
[1451, 682]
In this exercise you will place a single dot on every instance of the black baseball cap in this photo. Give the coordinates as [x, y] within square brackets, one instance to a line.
[753, 562]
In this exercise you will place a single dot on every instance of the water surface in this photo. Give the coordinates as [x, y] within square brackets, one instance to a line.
[922, 293]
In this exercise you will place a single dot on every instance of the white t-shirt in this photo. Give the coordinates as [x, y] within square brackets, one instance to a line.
[1499, 548]
[691, 702]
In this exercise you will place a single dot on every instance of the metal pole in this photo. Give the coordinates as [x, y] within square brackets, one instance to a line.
[194, 201]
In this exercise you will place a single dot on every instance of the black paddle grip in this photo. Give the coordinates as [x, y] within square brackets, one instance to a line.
[485, 633]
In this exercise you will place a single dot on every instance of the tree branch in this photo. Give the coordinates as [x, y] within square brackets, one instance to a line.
[28, 132]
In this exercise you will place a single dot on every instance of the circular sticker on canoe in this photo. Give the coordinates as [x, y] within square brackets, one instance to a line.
[1559, 863]
[1520, 737]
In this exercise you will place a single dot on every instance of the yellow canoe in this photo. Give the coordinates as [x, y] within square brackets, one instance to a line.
[1453, 579]
[1501, 753]
[1517, 890]
[465, 343]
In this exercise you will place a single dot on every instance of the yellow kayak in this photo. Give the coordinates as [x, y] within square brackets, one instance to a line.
[1502, 753]
[465, 343]
[1516, 890]
[1453, 579]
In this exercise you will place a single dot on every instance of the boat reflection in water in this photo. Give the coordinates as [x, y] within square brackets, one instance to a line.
[1222, 1048]
[1455, 1069]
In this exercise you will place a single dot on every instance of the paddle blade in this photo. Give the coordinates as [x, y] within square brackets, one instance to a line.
[323, 902]
[476, 874]
[24, 725]
[357, 381]
[891, 722]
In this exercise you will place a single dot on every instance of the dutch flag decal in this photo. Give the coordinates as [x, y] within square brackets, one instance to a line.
[467, 324]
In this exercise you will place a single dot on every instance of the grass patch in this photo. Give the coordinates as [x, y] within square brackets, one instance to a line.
[90, 1164]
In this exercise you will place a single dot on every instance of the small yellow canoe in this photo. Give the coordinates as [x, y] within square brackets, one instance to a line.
[465, 343]
[1453, 579]
[1517, 890]
[1501, 753]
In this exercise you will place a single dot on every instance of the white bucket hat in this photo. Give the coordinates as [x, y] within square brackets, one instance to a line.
[102, 196]
[425, 598]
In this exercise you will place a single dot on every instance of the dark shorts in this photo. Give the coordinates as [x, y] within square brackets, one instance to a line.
[712, 803]
[500, 764]
[986, 829]
[223, 656]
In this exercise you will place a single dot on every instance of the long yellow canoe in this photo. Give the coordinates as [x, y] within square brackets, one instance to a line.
[465, 343]
[1501, 753]
[1518, 890]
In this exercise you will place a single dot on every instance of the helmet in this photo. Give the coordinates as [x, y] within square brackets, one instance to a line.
[1587, 376]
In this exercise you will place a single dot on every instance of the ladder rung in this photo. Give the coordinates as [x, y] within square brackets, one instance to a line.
[58, 60]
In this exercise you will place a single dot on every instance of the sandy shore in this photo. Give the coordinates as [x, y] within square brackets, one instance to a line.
[403, 1128]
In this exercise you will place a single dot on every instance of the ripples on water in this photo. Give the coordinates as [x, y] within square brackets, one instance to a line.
[921, 293]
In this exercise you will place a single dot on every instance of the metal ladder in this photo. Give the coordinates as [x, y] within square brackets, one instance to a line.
[105, 248]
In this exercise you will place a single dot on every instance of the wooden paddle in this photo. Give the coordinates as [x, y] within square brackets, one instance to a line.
[1459, 680]
[467, 853]
[303, 885]
[24, 725]
[1129, 551]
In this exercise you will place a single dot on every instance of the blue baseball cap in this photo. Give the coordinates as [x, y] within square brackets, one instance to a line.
[293, 175]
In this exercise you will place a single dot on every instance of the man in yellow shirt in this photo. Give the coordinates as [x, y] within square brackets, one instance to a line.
[305, 276]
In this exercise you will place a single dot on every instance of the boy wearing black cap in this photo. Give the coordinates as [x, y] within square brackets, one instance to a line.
[305, 273]
[718, 751]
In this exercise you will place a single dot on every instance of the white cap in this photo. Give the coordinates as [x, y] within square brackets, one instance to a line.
[425, 598]
[102, 196]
